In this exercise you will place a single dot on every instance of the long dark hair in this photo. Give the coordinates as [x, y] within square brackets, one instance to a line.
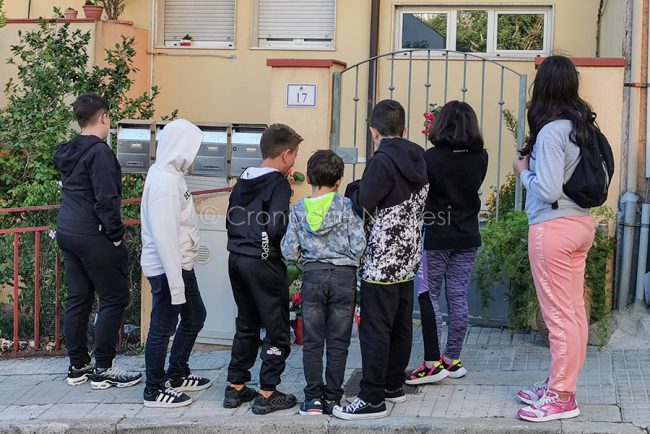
[456, 127]
[555, 96]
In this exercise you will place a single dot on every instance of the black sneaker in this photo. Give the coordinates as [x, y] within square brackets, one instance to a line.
[311, 407]
[328, 406]
[77, 376]
[396, 395]
[360, 409]
[233, 398]
[277, 401]
[165, 398]
[190, 383]
[105, 378]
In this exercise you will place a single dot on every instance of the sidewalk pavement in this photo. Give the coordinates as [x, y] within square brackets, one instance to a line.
[613, 394]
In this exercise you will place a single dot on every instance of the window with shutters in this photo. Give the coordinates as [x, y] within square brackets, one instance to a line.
[210, 23]
[296, 24]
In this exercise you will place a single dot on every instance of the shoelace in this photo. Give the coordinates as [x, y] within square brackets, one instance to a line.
[543, 385]
[548, 398]
[356, 404]
[173, 392]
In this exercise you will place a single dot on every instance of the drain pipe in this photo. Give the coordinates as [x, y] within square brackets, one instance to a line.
[643, 254]
[372, 72]
[628, 204]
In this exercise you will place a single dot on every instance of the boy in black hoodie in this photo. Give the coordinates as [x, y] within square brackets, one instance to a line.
[91, 236]
[391, 197]
[256, 222]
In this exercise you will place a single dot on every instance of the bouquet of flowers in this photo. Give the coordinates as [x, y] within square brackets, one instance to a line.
[294, 278]
[429, 117]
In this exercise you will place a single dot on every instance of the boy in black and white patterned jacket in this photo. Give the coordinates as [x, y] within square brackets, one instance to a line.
[391, 197]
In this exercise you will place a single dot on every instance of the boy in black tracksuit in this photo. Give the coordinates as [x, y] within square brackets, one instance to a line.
[391, 197]
[256, 222]
[91, 236]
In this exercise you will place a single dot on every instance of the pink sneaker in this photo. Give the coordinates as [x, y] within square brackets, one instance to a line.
[550, 407]
[424, 375]
[532, 396]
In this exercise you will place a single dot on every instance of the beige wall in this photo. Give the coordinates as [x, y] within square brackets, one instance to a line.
[206, 86]
[238, 90]
[607, 102]
[612, 33]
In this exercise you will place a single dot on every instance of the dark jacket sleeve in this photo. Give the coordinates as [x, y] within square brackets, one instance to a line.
[279, 212]
[105, 178]
[367, 193]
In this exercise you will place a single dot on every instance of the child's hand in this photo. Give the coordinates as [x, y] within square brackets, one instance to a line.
[520, 163]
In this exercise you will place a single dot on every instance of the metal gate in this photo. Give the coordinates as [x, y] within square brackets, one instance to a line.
[416, 78]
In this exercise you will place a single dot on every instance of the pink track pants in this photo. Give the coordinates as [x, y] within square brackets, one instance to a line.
[557, 250]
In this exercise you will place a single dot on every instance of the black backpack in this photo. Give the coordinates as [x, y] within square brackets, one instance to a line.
[590, 181]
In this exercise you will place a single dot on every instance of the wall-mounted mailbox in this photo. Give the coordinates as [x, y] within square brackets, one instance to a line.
[134, 145]
[246, 150]
[212, 157]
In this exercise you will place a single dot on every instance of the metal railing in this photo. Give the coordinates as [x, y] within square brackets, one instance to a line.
[39, 266]
[429, 58]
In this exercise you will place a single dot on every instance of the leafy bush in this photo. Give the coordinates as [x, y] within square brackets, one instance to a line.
[52, 64]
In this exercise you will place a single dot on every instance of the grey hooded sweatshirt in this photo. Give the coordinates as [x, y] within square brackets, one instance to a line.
[324, 229]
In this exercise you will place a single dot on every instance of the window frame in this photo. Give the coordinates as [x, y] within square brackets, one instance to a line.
[297, 44]
[161, 43]
[493, 13]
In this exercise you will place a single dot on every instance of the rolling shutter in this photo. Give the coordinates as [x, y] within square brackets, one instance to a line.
[297, 20]
[204, 20]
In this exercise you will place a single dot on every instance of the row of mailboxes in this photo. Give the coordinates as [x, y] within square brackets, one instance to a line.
[226, 150]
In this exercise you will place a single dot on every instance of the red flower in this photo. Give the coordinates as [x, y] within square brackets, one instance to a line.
[429, 116]
[296, 298]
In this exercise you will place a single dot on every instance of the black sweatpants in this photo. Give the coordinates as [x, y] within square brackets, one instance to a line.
[93, 265]
[385, 336]
[262, 297]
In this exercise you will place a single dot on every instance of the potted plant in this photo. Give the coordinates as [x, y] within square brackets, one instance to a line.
[93, 11]
[113, 8]
[186, 41]
[70, 14]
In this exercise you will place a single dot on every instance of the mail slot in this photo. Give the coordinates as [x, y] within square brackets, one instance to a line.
[211, 160]
[246, 151]
[134, 145]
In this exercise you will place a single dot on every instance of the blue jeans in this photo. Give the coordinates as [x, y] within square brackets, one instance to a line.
[164, 323]
[328, 310]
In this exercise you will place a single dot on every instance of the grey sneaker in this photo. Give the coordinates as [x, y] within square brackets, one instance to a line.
[113, 376]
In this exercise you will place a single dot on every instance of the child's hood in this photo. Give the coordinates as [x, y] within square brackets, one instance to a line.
[407, 157]
[322, 214]
[68, 154]
[179, 143]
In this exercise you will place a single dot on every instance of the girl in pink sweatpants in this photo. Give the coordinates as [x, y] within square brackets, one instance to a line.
[560, 232]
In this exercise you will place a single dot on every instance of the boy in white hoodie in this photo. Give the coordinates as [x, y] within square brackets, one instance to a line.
[170, 242]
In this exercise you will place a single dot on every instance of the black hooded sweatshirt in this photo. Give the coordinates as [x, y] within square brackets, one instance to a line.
[391, 197]
[92, 190]
[258, 215]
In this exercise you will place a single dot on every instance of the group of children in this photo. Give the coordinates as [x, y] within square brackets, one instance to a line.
[376, 233]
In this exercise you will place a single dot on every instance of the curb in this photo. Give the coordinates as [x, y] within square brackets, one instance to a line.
[316, 424]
